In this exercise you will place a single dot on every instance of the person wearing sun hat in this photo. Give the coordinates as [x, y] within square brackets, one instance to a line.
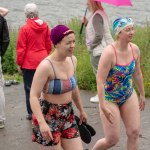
[118, 67]
[54, 89]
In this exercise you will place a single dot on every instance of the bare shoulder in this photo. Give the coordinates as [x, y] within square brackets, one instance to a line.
[74, 59]
[108, 52]
[136, 49]
[108, 56]
[44, 67]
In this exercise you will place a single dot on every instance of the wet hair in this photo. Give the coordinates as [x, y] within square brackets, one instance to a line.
[31, 10]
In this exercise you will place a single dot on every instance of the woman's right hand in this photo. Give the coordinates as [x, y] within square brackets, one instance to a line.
[108, 114]
[85, 21]
[45, 131]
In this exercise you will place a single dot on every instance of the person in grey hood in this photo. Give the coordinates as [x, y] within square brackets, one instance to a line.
[33, 45]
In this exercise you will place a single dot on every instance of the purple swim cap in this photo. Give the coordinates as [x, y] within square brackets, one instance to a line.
[59, 32]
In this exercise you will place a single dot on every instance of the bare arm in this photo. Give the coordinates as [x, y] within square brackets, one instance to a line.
[77, 100]
[138, 78]
[39, 80]
[3, 11]
[104, 67]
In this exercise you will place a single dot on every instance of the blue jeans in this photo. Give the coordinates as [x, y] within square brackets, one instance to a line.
[27, 79]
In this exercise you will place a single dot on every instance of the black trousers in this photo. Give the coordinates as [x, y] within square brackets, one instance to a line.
[27, 79]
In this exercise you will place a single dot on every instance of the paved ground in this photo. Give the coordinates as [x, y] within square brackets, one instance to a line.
[17, 133]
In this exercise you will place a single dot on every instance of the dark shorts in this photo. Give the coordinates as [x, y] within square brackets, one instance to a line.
[61, 120]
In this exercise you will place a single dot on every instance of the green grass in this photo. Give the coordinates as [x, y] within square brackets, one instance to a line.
[85, 76]
[15, 76]
[142, 39]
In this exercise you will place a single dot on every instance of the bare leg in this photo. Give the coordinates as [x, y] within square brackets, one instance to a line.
[130, 114]
[72, 144]
[57, 147]
[111, 131]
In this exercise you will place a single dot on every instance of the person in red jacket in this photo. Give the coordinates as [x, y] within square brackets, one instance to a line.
[33, 45]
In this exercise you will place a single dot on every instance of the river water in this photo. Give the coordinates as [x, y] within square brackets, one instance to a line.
[54, 11]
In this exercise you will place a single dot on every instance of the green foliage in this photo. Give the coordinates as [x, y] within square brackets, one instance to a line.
[142, 39]
[86, 78]
[15, 76]
[8, 61]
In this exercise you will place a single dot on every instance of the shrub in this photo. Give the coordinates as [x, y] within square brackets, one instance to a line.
[86, 78]
[8, 61]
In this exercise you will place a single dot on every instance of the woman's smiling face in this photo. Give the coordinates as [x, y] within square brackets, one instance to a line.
[67, 45]
[127, 33]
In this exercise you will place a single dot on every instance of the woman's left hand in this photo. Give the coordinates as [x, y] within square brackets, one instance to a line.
[19, 69]
[83, 117]
[142, 102]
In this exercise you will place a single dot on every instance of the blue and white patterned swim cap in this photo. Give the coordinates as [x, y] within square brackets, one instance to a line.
[120, 23]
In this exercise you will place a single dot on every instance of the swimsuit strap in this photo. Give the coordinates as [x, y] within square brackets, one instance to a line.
[73, 65]
[132, 51]
[114, 52]
[52, 67]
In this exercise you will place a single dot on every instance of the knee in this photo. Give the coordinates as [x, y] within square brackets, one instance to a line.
[133, 134]
[112, 140]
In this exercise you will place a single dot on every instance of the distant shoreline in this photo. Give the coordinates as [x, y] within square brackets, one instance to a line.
[54, 11]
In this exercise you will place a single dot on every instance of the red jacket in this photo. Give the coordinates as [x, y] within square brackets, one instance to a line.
[33, 43]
